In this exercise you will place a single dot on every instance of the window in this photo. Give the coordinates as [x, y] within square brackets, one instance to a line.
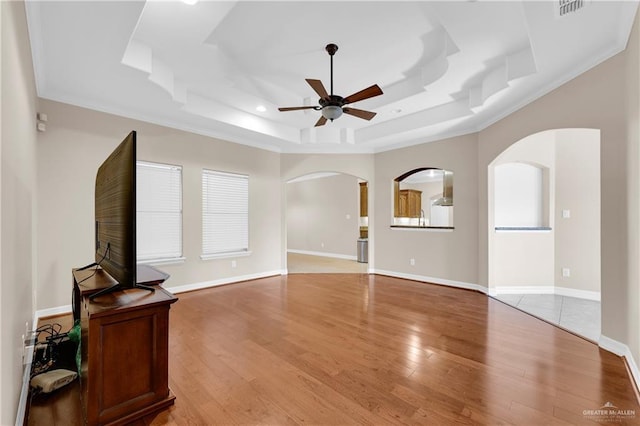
[158, 212]
[225, 214]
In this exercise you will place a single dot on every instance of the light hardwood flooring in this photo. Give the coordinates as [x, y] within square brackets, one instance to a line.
[304, 263]
[342, 349]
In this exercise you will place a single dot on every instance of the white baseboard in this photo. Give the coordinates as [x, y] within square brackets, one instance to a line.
[50, 312]
[323, 254]
[622, 350]
[223, 281]
[545, 289]
[432, 280]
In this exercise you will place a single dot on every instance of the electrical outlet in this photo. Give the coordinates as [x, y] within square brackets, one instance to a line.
[566, 272]
[322, 245]
[412, 262]
[234, 263]
[566, 214]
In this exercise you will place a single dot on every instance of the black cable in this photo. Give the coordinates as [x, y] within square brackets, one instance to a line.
[47, 345]
[104, 256]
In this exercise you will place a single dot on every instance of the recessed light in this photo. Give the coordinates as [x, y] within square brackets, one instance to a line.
[261, 108]
[397, 110]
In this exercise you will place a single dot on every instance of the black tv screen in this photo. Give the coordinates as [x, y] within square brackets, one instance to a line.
[115, 213]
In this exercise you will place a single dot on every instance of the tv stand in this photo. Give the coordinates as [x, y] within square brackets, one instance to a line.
[118, 287]
[124, 373]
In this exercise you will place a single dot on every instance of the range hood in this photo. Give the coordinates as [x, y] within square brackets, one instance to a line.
[447, 191]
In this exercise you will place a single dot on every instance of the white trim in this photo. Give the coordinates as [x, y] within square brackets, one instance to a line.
[24, 393]
[225, 255]
[50, 312]
[222, 281]
[26, 377]
[546, 289]
[323, 254]
[622, 350]
[431, 280]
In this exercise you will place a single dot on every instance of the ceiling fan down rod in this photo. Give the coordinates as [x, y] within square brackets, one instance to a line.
[331, 49]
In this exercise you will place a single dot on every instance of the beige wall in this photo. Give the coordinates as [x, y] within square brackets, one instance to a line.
[322, 215]
[629, 297]
[596, 99]
[577, 189]
[17, 201]
[75, 144]
[443, 255]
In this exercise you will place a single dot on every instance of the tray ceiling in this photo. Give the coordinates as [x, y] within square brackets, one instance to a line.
[222, 68]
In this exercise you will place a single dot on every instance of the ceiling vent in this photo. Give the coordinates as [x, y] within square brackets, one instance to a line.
[566, 7]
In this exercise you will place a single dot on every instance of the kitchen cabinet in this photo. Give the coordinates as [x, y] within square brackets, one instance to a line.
[364, 199]
[409, 203]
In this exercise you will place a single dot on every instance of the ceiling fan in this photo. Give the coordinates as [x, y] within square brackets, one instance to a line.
[332, 106]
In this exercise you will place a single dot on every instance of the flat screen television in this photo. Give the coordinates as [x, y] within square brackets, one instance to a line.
[115, 217]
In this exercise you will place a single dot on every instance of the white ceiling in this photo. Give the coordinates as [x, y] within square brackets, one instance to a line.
[446, 68]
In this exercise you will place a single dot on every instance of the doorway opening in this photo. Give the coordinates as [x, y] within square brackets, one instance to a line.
[544, 228]
[327, 224]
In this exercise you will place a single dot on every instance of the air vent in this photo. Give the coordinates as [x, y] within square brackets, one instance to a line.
[566, 7]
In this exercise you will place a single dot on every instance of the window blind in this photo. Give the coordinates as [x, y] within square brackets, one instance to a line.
[158, 211]
[225, 213]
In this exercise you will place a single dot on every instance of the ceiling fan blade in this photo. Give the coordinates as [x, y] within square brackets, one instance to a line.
[318, 87]
[321, 121]
[360, 113]
[295, 108]
[367, 93]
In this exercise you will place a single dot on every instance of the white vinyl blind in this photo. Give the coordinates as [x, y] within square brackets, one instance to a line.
[225, 213]
[158, 211]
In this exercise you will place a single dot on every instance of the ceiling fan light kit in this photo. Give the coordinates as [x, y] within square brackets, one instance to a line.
[331, 112]
[332, 106]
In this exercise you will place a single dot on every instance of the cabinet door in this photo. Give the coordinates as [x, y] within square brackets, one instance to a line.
[363, 199]
[415, 203]
[403, 204]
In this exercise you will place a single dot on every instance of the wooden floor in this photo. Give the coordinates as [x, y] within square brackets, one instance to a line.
[304, 263]
[364, 349]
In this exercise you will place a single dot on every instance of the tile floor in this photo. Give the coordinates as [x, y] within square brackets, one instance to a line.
[578, 315]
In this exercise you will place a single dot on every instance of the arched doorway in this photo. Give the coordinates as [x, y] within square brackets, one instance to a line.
[544, 228]
[326, 223]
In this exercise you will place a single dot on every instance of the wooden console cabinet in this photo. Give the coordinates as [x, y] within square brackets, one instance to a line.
[125, 345]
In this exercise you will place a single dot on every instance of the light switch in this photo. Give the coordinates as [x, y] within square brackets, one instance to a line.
[566, 214]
